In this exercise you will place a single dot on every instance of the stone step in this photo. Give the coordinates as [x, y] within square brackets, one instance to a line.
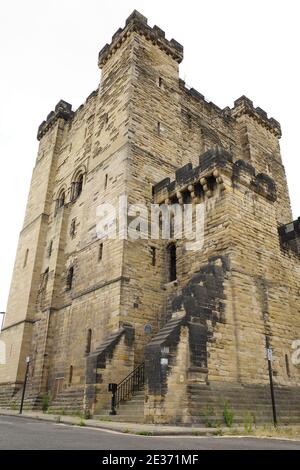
[66, 400]
[136, 404]
[69, 400]
[136, 401]
[121, 418]
[132, 402]
[131, 408]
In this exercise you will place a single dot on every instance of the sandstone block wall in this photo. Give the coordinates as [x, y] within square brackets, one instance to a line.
[144, 134]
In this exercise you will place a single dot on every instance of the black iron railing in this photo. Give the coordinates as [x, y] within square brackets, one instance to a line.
[131, 384]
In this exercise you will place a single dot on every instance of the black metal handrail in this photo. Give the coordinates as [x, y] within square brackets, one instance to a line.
[131, 384]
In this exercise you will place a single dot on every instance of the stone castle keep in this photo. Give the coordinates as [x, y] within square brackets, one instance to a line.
[193, 324]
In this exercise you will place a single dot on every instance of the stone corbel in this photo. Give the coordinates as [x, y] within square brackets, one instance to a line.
[219, 179]
[207, 191]
[191, 189]
[179, 197]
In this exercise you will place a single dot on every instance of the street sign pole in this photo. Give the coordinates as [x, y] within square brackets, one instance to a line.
[270, 358]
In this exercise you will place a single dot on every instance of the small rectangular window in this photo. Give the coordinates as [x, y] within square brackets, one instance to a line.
[73, 228]
[106, 181]
[25, 258]
[70, 275]
[100, 252]
[50, 247]
[153, 255]
[160, 82]
[287, 366]
[44, 280]
[172, 262]
[88, 342]
[70, 375]
[158, 128]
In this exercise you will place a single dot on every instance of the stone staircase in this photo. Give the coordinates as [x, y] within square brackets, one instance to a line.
[6, 395]
[13, 401]
[129, 398]
[69, 401]
[130, 411]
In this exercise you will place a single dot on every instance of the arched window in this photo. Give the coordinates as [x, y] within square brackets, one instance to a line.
[71, 375]
[44, 280]
[60, 201]
[88, 342]
[77, 186]
[70, 275]
[172, 262]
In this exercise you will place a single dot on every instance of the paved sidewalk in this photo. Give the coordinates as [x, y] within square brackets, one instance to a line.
[134, 428]
[148, 429]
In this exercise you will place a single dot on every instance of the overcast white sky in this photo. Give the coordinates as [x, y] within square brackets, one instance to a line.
[48, 51]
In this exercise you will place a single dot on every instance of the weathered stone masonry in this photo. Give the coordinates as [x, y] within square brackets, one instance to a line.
[78, 305]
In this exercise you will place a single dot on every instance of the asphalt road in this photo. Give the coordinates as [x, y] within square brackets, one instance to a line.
[22, 433]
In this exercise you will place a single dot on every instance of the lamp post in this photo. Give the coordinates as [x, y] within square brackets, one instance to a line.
[25, 383]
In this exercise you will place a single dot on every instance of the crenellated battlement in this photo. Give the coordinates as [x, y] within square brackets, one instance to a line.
[216, 167]
[138, 23]
[62, 110]
[289, 235]
[196, 95]
[194, 180]
[244, 105]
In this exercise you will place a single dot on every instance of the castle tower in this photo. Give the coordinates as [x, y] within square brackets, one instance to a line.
[90, 308]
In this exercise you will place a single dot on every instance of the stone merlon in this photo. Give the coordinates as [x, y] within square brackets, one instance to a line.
[289, 236]
[62, 110]
[138, 23]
